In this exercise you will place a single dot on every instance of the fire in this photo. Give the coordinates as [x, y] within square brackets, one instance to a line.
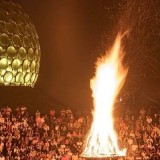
[109, 79]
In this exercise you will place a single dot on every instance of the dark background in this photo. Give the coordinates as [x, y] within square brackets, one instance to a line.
[73, 33]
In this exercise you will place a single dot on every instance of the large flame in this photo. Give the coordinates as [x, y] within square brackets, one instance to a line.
[109, 78]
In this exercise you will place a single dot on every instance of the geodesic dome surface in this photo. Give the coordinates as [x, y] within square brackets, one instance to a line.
[19, 47]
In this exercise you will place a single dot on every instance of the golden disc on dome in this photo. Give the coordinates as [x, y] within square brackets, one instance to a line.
[27, 77]
[33, 77]
[3, 63]
[16, 63]
[33, 66]
[30, 53]
[26, 64]
[19, 77]
[4, 39]
[1, 51]
[11, 51]
[16, 40]
[22, 53]
[8, 77]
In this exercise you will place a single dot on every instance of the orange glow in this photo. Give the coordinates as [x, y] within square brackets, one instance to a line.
[106, 84]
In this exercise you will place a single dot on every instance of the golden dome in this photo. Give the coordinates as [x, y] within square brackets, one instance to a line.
[19, 47]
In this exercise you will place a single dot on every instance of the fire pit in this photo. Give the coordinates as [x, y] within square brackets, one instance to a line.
[113, 157]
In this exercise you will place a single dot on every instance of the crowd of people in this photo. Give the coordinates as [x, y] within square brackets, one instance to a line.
[60, 135]
[140, 134]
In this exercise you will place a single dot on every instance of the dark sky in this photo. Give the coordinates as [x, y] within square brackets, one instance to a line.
[74, 33]
[71, 33]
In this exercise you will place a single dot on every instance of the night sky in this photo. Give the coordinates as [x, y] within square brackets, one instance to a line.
[73, 33]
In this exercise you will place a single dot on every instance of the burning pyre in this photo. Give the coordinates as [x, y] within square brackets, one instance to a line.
[101, 142]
